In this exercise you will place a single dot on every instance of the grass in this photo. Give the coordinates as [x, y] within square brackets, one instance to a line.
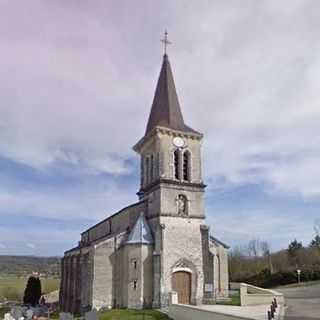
[129, 314]
[12, 287]
[235, 300]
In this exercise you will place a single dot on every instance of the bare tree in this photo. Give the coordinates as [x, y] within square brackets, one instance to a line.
[257, 248]
[253, 248]
[265, 248]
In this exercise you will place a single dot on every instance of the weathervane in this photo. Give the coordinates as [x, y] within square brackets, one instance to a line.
[165, 41]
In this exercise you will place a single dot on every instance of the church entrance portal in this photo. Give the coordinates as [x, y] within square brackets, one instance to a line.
[181, 283]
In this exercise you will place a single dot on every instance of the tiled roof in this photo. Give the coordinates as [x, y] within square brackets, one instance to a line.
[141, 232]
[165, 110]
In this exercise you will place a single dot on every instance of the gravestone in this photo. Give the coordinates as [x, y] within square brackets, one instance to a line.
[65, 316]
[29, 314]
[91, 315]
[8, 316]
[16, 312]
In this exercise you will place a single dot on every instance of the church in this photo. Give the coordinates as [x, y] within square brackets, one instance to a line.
[139, 255]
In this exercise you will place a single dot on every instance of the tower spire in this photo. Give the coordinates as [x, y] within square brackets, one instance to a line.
[165, 42]
[165, 110]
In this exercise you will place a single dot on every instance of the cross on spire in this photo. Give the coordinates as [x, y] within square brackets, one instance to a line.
[165, 42]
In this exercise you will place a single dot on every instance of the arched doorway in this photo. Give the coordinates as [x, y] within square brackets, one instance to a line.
[181, 283]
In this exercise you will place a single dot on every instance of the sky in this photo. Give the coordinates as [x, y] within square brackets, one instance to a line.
[77, 80]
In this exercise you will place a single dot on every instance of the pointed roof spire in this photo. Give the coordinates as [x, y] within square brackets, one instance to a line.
[165, 110]
[141, 233]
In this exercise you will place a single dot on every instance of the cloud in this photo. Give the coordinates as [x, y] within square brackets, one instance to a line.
[30, 245]
[251, 85]
[87, 201]
[269, 225]
[77, 81]
[43, 240]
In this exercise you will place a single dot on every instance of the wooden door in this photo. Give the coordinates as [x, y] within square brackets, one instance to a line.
[181, 283]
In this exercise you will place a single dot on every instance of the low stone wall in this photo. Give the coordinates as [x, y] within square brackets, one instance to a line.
[234, 285]
[187, 312]
[251, 295]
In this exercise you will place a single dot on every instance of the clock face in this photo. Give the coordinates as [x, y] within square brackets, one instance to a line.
[178, 142]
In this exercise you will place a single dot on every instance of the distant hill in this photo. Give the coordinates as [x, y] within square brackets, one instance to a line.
[24, 265]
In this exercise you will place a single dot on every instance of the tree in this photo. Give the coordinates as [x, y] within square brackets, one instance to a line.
[257, 248]
[32, 293]
[265, 248]
[315, 243]
[294, 246]
[293, 249]
[253, 248]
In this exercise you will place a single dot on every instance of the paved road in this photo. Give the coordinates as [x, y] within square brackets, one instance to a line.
[303, 303]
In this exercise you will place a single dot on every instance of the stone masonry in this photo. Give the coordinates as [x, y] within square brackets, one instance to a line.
[136, 257]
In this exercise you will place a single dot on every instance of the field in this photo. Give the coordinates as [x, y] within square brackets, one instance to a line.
[12, 287]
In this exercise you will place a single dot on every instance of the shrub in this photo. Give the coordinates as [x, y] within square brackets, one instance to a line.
[266, 279]
[32, 292]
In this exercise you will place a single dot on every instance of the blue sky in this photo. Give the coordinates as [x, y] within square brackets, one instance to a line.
[76, 85]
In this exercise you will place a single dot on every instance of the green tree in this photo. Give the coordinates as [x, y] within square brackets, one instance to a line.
[315, 243]
[294, 246]
[32, 293]
[293, 249]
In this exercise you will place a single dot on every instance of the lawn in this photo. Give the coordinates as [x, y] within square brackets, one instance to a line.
[118, 314]
[12, 287]
[127, 314]
[235, 299]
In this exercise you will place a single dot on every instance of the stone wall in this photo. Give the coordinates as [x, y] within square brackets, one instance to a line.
[220, 267]
[113, 225]
[102, 287]
[182, 247]
[183, 312]
[139, 273]
[252, 295]
[208, 296]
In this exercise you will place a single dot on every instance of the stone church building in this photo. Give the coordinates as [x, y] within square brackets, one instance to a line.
[136, 257]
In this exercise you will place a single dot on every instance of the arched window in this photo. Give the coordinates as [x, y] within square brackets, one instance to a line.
[176, 163]
[186, 165]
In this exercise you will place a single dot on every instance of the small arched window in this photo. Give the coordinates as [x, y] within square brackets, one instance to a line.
[176, 163]
[186, 165]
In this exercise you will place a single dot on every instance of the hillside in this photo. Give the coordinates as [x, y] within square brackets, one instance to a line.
[24, 265]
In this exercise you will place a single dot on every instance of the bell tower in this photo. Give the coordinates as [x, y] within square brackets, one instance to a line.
[170, 154]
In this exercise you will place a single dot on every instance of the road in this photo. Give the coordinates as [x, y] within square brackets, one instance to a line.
[303, 302]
